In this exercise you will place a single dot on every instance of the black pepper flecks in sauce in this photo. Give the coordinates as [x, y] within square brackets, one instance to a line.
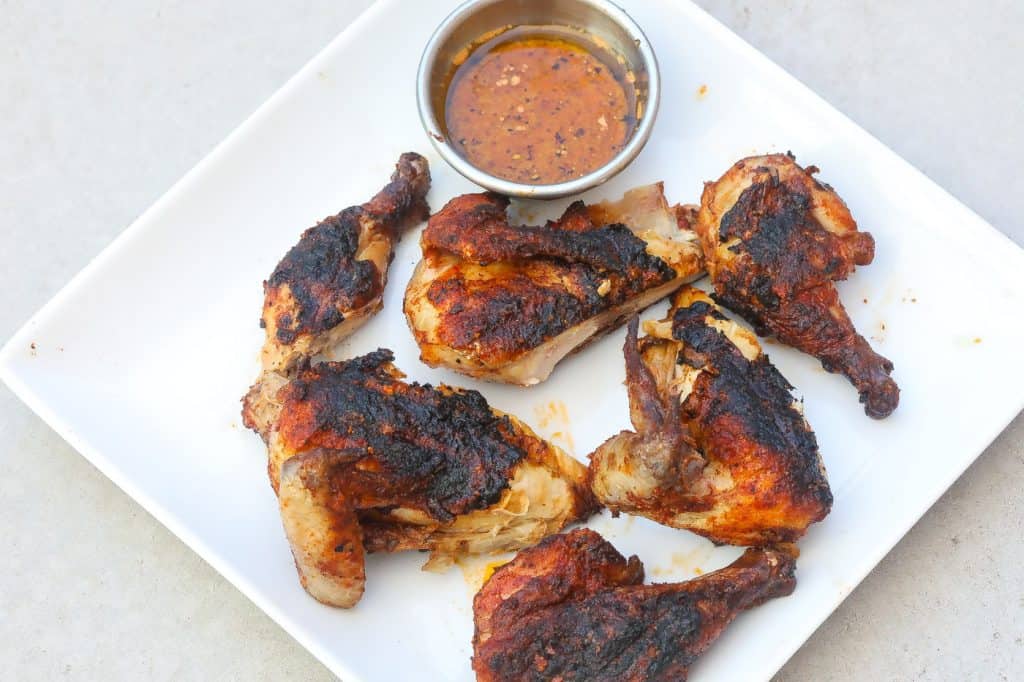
[535, 106]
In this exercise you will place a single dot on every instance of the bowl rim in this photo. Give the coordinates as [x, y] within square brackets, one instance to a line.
[598, 176]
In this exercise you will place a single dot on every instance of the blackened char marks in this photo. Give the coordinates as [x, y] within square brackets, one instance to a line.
[613, 635]
[694, 314]
[751, 396]
[572, 608]
[749, 391]
[490, 318]
[787, 247]
[475, 227]
[445, 453]
[324, 276]
[322, 271]
[505, 290]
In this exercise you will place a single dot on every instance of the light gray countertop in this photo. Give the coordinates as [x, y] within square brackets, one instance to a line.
[105, 105]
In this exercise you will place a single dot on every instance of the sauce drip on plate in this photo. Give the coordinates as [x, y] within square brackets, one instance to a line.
[540, 105]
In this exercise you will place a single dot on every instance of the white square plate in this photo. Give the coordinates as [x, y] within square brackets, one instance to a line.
[140, 361]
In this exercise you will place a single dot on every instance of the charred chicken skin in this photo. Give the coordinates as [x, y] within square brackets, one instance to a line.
[775, 240]
[507, 302]
[364, 462]
[720, 447]
[332, 281]
[573, 608]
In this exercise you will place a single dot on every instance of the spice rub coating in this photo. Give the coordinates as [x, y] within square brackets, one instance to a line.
[573, 608]
[776, 239]
[333, 278]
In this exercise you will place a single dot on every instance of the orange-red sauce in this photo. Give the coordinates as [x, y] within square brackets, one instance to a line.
[538, 106]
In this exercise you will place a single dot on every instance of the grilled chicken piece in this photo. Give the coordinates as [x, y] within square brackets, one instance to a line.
[331, 282]
[364, 462]
[507, 302]
[775, 239]
[573, 608]
[720, 447]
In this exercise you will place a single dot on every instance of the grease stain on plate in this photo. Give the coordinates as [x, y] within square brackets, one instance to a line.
[684, 564]
[879, 335]
[553, 424]
[964, 341]
[476, 570]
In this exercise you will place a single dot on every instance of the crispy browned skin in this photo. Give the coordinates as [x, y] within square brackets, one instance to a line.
[775, 240]
[365, 462]
[507, 302]
[720, 447]
[475, 227]
[440, 452]
[333, 279]
[573, 608]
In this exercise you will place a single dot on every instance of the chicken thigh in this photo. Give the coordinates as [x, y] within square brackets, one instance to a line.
[720, 447]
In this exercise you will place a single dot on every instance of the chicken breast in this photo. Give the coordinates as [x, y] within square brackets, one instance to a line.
[506, 303]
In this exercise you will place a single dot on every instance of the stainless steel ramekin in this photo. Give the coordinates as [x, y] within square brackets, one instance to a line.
[475, 18]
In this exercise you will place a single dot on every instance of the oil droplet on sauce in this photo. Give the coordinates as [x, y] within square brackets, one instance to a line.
[538, 105]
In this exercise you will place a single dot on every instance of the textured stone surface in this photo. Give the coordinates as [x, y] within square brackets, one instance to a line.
[106, 104]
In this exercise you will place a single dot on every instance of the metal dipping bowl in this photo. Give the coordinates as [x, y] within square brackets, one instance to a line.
[476, 18]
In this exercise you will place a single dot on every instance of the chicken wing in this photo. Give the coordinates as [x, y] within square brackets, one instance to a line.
[507, 302]
[720, 447]
[573, 608]
[775, 240]
[332, 281]
[364, 462]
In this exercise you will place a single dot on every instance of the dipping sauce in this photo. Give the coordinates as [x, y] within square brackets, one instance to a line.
[540, 105]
